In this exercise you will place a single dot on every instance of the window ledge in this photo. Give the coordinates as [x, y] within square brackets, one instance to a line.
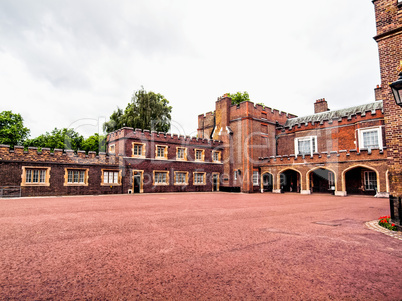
[180, 184]
[75, 184]
[110, 184]
[35, 184]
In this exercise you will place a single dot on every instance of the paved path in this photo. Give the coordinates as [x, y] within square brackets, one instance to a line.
[205, 246]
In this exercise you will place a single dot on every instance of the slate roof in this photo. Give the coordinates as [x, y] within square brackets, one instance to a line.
[338, 114]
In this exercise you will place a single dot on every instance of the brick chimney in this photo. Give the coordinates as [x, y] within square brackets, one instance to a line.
[320, 105]
[378, 93]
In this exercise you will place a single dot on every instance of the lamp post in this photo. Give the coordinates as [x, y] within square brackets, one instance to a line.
[396, 88]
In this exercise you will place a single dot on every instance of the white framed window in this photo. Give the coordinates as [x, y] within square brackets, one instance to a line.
[181, 178]
[235, 175]
[216, 156]
[161, 178]
[111, 177]
[255, 178]
[199, 178]
[112, 149]
[75, 176]
[199, 154]
[331, 180]
[181, 153]
[370, 180]
[35, 176]
[306, 145]
[161, 152]
[138, 150]
[370, 138]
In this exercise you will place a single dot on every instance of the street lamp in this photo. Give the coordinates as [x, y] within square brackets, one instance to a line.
[396, 87]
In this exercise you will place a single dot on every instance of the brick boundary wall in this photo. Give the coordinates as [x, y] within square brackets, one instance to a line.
[13, 162]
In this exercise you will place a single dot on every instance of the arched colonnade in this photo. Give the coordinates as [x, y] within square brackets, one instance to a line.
[338, 179]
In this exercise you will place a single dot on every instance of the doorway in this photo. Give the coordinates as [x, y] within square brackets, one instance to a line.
[215, 182]
[137, 181]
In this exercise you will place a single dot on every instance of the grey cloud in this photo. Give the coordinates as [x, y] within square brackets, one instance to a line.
[58, 39]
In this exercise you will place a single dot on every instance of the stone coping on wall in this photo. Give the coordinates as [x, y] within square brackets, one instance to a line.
[58, 155]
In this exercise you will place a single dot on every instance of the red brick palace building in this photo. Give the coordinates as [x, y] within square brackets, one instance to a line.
[340, 152]
[244, 148]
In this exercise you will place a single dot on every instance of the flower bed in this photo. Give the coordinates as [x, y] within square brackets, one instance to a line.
[384, 222]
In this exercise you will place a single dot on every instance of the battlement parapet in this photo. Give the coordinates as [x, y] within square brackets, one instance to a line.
[159, 137]
[57, 156]
[324, 157]
[249, 109]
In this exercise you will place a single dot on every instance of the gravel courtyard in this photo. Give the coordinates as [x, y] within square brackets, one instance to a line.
[197, 246]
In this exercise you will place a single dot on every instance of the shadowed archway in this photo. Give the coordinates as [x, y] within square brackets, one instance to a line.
[322, 180]
[290, 181]
[267, 182]
[361, 180]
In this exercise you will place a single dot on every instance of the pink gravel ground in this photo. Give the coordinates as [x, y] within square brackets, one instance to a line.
[188, 246]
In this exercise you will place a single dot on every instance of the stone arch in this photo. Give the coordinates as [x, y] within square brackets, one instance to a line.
[308, 175]
[290, 182]
[267, 184]
[344, 184]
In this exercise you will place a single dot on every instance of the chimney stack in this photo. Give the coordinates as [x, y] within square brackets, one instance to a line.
[320, 105]
[378, 93]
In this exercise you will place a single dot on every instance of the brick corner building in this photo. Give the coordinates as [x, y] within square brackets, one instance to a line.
[389, 32]
[340, 152]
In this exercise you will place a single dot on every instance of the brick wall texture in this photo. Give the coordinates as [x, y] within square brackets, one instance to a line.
[389, 31]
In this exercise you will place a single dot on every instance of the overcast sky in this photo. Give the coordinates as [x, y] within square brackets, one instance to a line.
[72, 63]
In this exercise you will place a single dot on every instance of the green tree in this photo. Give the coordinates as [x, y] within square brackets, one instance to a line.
[117, 121]
[95, 143]
[147, 110]
[239, 97]
[12, 130]
[58, 138]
